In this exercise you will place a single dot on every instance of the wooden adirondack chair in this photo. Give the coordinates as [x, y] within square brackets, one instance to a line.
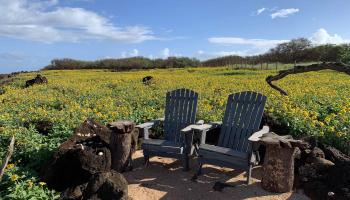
[180, 111]
[239, 129]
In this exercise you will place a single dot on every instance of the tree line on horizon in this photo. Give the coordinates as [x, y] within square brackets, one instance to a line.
[124, 64]
[299, 50]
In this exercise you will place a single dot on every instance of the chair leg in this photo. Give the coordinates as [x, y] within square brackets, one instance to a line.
[199, 171]
[146, 158]
[131, 167]
[195, 149]
[249, 173]
[186, 163]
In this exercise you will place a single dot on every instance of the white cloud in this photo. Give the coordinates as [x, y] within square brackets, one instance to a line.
[258, 46]
[200, 52]
[255, 46]
[45, 21]
[323, 37]
[134, 53]
[259, 11]
[203, 55]
[123, 54]
[165, 53]
[284, 12]
[244, 41]
[227, 53]
[13, 57]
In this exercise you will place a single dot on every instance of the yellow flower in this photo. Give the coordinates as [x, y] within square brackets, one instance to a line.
[327, 120]
[42, 184]
[339, 134]
[30, 183]
[306, 114]
[14, 177]
[10, 166]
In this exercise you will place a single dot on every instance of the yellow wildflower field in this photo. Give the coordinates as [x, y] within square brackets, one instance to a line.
[318, 102]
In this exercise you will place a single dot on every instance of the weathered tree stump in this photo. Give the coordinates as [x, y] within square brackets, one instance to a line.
[278, 167]
[120, 144]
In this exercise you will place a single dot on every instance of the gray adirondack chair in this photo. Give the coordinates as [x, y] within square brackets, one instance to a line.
[180, 111]
[239, 129]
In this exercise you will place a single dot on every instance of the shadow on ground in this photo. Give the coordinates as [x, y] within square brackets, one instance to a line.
[164, 179]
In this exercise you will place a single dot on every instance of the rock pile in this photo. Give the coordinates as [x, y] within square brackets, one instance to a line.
[147, 80]
[37, 80]
[81, 169]
[323, 172]
[44, 127]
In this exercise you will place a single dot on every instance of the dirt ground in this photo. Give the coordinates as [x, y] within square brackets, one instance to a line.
[164, 179]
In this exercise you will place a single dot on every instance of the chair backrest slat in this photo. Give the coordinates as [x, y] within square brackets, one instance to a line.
[242, 118]
[180, 111]
[237, 118]
[255, 120]
[228, 118]
[242, 121]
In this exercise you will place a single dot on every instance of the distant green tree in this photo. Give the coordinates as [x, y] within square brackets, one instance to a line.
[345, 54]
[292, 51]
[124, 64]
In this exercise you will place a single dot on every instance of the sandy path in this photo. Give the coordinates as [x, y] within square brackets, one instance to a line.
[164, 179]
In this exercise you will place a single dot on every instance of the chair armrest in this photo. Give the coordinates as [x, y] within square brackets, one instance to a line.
[147, 125]
[217, 123]
[200, 122]
[198, 131]
[255, 137]
[198, 127]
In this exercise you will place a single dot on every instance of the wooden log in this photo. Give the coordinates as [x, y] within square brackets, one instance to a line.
[338, 66]
[278, 167]
[121, 144]
[7, 157]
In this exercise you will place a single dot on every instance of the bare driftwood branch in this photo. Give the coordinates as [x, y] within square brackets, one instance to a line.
[337, 66]
[7, 158]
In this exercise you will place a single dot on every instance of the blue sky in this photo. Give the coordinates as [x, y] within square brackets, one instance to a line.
[33, 32]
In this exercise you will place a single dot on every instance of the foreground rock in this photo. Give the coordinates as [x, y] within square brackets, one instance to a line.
[81, 156]
[81, 169]
[324, 173]
[107, 185]
[101, 186]
[37, 80]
